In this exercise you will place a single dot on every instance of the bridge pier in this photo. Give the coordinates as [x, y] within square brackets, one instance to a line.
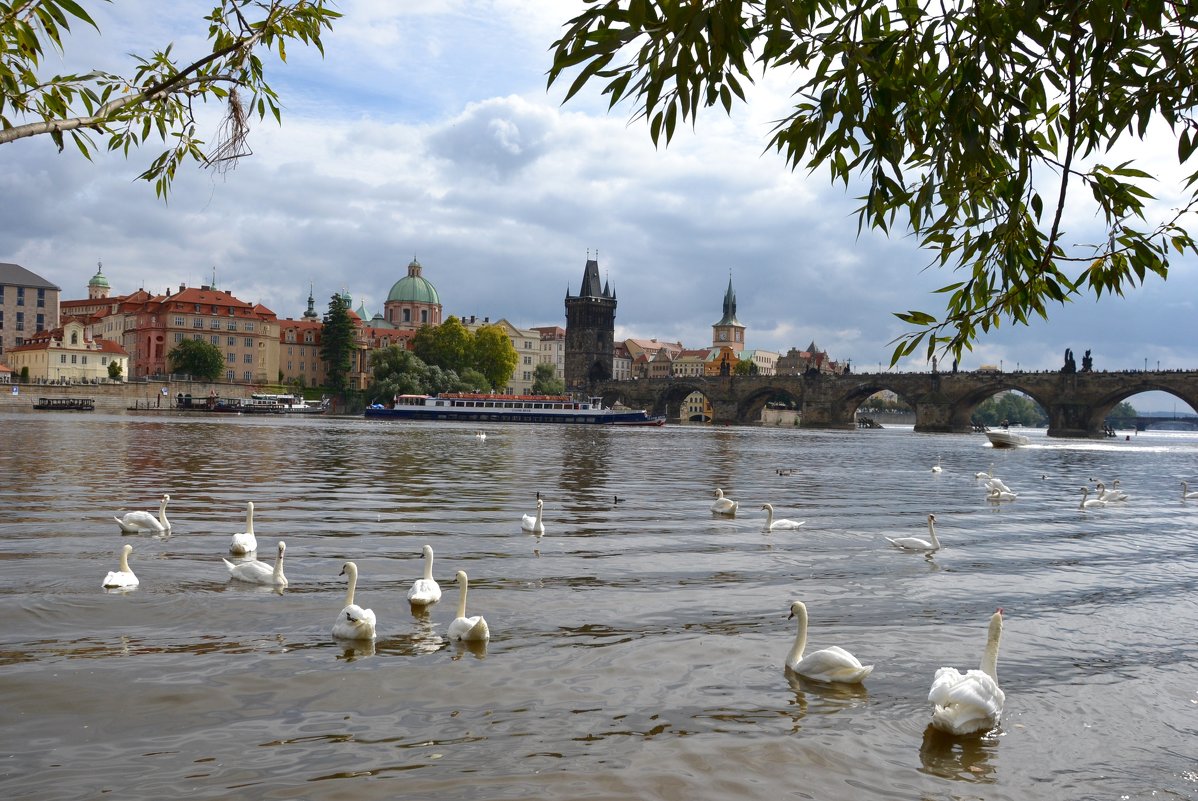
[1073, 420]
[939, 417]
[824, 414]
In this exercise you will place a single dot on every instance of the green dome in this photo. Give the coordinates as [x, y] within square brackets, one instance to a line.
[98, 279]
[414, 288]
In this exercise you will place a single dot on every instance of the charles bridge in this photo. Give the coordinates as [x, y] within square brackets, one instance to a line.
[1077, 403]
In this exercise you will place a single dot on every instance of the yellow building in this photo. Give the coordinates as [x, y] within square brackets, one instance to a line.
[67, 356]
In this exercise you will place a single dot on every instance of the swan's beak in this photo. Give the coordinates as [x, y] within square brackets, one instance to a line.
[790, 616]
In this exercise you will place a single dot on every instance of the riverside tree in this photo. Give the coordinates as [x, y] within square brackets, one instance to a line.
[157, 98]
[972, 124]
[337, 343]
[546, 382]
[197, 358]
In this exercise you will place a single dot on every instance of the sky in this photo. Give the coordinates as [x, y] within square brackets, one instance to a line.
[427, 131]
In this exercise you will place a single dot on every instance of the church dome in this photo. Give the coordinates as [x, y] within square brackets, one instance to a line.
[414, 288]
[99, 280]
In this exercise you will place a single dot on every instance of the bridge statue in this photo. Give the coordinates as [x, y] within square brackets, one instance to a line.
[1070, 365]
[1087, 363]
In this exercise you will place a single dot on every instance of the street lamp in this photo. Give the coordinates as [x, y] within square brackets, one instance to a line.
[1145, 364]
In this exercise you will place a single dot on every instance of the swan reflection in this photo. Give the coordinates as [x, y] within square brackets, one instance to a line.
[961, 758]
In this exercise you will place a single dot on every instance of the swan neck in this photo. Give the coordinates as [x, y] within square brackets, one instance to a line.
[769, 517]
[353, 585]
[462, 597]
[540, 508]
[989, 664]
[932, 533]
[800, 643]
[125, 561]
[428, 565]
[162, 514]
[249, 518]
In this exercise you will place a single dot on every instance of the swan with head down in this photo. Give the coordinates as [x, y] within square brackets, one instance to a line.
[353, 622]
[722, 505]
[257, 572]
[245, 542]
[425, 591]
[916, 543]
[782, 524]
[832, 664]
[1186, 495]
[122, 577]
[137, 522]
[970, 702]
[470, 629]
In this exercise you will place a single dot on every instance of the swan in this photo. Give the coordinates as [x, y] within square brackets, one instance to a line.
[1114, 493]
[137, 522]
[425, 590]
[830, 664]
[122, 577]
[987, 474]
[1090, 503]
[256, 572]
[533, 522]
[936, 467]
[995, 483]
[778, 525]
[970, 703]
[480, 435]
[722, 505]
[917, 544]
[354, 622]
[1186, 495]
[245, 542]
[467, 628]
[996, 494]
[784, 471]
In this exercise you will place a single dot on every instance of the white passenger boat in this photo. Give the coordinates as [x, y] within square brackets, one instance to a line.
[488, 408]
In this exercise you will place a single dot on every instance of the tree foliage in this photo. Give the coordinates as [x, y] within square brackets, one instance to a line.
[158, 97]
[114, 370]
[449, 345]
[197, 358]
[1010, 407]
[337, 343]
[546, 382]
[494, 355]
[395, 371]
[971, 124]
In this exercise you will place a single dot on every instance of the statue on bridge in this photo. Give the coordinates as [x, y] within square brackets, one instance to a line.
[1070, 365]
[1087, 363]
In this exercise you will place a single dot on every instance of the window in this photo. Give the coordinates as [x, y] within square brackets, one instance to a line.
[178, 337]
[249, 342]
[308, 337]
[83, 360]
[103, 360]
[214, 339]
[424, 315]
[20, 296]
[41, 322]
[249, 325]
[407, 315]
[41, 301]
[20, 321]
[230, 325]
[248, 375]
[291, 336]
[528, 360]
[197, 323]
[230, 375]
[302, 368]
[62, 359]
[231, 341]
[1, 313]
[249, 358]
[198, 337]
[180, 320]
[74, 337]
[231, 358]
[74, 359]
[289, 368]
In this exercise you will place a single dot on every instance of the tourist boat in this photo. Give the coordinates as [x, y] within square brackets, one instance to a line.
[66, 404]
[264, 403]
[1005, 439]
[487, 408]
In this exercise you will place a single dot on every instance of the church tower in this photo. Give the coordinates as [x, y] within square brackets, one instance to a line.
[728, 332]
[590, 331]
[98, 288]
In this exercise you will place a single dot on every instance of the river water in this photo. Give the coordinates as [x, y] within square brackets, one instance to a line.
[637, 647]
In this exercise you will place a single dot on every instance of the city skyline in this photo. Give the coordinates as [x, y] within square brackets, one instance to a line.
[429, 133]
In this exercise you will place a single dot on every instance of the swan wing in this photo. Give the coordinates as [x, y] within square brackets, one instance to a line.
[355, 623]
[253, 572]
[243, 543]
[786, 523]
[911, 544]
[424, 592]
[119, 578]
[832, 664]
[965, 703]
[469, 628]
[528, 522]
[138, 521]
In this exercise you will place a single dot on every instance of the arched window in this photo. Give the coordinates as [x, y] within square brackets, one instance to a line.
[74, 337]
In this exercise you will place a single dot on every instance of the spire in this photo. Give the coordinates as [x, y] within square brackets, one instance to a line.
[729, 317]
[310, 314]
[590, 281]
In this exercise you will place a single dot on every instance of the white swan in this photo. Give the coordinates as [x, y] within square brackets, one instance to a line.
[1114, 493]
[970, 703]
[256, 572]
[1090, 503]
[986, 474]
[722, 505]
[137, 522]
[1186, 495]
[533, 522]
[480, 434]
[830, 664]
[425, 590]
[245, 542]
[467, 628]
[996, 494]
[123, 576]
[917, 544]
[778, 525]
[936, 467]
[995, 483]
[353, 622]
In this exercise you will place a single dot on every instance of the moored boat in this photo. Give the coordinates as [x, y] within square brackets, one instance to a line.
[490, 408]
[66, 404]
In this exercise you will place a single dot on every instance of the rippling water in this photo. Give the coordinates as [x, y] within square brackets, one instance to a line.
[637, 647]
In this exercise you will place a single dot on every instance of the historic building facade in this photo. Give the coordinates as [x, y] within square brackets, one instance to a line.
[67, 355]
[413, 301]
[28, 304]
[590, 331]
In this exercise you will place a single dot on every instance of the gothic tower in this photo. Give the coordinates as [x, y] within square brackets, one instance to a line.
[728, 332]
[590, 331]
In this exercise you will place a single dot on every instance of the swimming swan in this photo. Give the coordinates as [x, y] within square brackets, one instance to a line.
[996, 494]
[995, 483]
[1112, 494]
[1186, 495]
[137, 522]
[533, 522]
[122, 577]
[778, 525]
[467, 628]
[245, 542]
[970, 703]
[722, 505]
[353, 622]
[1090, 503]
[917, 544]
[256, 572]
[425, 590]
[936, 467]
[830, 664]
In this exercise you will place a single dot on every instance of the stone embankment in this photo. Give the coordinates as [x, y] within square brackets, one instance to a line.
[117, 397]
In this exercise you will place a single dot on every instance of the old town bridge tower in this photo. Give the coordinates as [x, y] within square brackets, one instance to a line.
[590, 331]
